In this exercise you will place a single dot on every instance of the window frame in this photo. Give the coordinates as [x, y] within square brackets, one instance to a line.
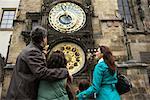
[125, 12]
[2, 15]
[148, 1]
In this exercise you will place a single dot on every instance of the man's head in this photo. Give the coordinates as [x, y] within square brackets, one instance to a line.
[39, 35]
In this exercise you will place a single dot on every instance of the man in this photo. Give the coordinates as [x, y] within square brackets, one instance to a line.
[31, 67]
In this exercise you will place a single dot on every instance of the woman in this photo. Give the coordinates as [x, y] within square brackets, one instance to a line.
[55, 90]
[104, 78]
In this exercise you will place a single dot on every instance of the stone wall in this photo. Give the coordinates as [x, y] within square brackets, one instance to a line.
[104, 9]
[139, 43]
[17, 43]
[107, 27]
[139, 24]
[137, 73]
[139, 34]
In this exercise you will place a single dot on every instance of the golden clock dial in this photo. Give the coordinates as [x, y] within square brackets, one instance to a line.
[74, 54]
[67, 17]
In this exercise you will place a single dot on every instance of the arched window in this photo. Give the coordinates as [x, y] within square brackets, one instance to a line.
[124, 11]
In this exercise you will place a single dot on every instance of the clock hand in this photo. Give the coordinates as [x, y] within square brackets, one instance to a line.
[63, 8]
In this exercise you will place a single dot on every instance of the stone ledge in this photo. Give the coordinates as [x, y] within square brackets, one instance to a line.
[9, 66]
[115, 19]
[136, 32]
[131, 63]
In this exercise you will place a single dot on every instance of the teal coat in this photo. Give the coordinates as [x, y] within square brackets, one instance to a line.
[52, 90]
[103, 84]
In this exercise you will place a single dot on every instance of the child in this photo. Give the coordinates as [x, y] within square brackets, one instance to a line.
[83, 85]
[54, 90]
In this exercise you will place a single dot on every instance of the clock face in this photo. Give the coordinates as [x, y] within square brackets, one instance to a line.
[74, 55]
[67, 17]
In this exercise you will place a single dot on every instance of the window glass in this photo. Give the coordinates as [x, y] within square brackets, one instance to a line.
[7, 19]
[124, 11]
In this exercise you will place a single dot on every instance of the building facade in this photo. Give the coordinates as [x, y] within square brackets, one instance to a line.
[8, 10]
[77, 27]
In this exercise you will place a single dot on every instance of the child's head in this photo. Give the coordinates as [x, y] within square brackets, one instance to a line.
[83, 84]
[57, 60]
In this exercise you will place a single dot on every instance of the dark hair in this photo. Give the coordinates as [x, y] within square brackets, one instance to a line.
[57, 60]
[108, 58]
[37, 34]
[83, 84]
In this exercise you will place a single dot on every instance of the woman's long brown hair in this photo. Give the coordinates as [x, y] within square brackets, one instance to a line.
[108, 58]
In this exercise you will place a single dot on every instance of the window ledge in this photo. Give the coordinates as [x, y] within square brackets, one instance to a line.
[135, 32]
[9, 66]
[6, 29]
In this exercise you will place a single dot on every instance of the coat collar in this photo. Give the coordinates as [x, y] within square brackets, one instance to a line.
[36, 45]
[101, 60]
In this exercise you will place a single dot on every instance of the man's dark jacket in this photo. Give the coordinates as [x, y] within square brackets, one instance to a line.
[30, 68]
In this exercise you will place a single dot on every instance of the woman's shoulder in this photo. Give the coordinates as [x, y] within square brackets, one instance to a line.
[100, 67]
[102, 64]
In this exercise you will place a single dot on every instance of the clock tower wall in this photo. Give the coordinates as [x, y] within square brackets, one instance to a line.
[103, 26]
[107, 27]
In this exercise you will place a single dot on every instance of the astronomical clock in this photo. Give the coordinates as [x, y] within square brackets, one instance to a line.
[69, 30]
[66, 17]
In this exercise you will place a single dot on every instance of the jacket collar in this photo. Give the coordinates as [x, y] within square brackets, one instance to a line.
[36, 45]
[101, 60]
